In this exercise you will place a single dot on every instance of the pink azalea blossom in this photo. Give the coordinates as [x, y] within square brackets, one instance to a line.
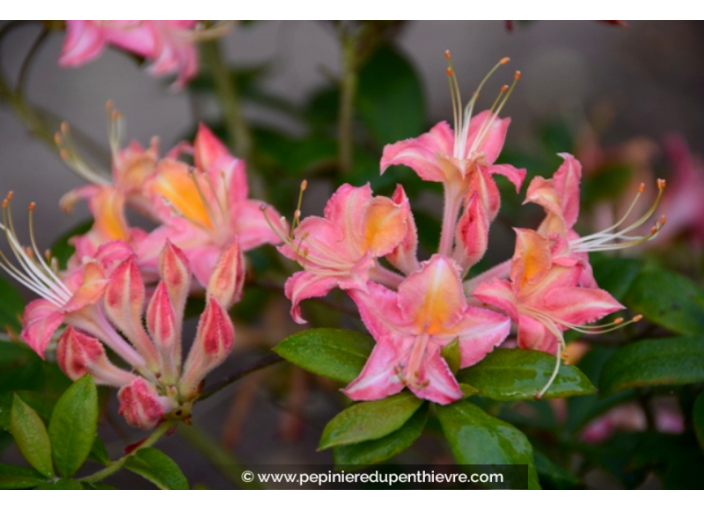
[203, 210]
[463, 159]
[169, 45]
[342, 248]
[412, 326]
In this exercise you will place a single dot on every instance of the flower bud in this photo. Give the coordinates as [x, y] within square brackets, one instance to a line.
[472, 235]
[161, 321]
[175, 272]
[124, 302]
[213, 343]
[141, 404]
[227, 279]
[78, 354]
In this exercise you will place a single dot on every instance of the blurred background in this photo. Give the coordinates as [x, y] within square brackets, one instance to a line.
[587, 87]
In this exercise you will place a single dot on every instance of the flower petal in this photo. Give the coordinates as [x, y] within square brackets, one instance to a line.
[421, 154]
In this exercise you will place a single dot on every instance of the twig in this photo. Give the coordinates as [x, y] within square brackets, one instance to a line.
[266, 361]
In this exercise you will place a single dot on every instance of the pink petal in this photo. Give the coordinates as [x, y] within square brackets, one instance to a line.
[498, 293]
[304, 285]
[41, 319]
[249, 223]
[513, 174]
[567, 180]
[378, 378]
[578, 305]
[492, 136]
[227, 280]
[404, 256]
[479, 332]
[207, 148]
[84, 42]
[433, 298]
[472, 234]
[442, 386]
[532, 334]
[421, 154]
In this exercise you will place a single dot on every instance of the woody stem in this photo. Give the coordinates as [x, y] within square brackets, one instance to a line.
[348, 90]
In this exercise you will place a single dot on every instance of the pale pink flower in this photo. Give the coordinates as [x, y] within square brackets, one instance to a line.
[204, 209]
[342, 248]
[463, 159]
[169, 45]
[412, 326]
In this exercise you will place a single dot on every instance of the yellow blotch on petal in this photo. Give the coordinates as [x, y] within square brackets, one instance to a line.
[385, 226]
[174, 183]
[108, 209]
[532, 259]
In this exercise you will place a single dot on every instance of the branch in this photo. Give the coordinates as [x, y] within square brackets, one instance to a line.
[266, 361]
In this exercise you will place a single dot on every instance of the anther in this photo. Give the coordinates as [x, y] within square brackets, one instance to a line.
[65, 128]
[661, 183]
[637, 318]
[449, 71]
[641, 188]
[504, 88]
[504, 61]
[58, 140]
[447, 54]
[9, 195]
[109, 105]
[517, 75]
[618, 320]
[32, 206]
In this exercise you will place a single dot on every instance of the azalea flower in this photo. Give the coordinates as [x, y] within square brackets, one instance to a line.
[169, 45]
[412, 326]
[342, 248]
[107, 197]
[463, 159]
[204, 209]
[544, 298]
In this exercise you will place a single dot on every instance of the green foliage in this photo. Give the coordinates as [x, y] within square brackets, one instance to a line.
[668, 299]
[390, 99]
[11, 307]
[663, 361]
[369, 420]
[698, 418]
[73, 426]
[338, 354]
[63, 484]
[17, 477]
[20, 368]
[518, 374]
[158, 468]
[31, 437]
[384, 448]
[451, 353]
[476, 437]
[553, 476]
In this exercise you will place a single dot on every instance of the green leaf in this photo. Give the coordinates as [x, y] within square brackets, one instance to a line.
[663, 361]
[61, 250]
[477, 438]
[451, 353]
[369, 420]
[698, 418]
[42, 403]
[61, 485]
[518, 374]
[339, 354]
[615, 276]
[20, 368]
[17, 477]
[158, 468]
[73, 426]
[390, 97]
[98, 453]
[552, 475]
[11, 307]
[379, 450]
[668, 299]
[31, 437]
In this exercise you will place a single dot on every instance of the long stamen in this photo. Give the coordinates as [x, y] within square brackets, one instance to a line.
[297, 213]
[47, 269]
[601, 241]
[70, 156]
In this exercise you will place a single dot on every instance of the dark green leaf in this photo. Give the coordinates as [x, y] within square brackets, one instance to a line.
[451, 353]
[369, 420]
[390, 97]
[338, 354]
[73, 425]
[698, 418]
[31, 437]
[61, 485]
[669, 300]
[654, 362]
[379, 450]
[518, 374]
[158, 468]
[552, 475]
[62, 249]
[475, 437]
[20, 368]
[615, 276]
[17, 477]
[99, 453]
[11, 307]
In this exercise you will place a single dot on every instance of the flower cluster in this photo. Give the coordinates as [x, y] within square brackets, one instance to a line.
[417, 308]
[169, 45]
[121, 279]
